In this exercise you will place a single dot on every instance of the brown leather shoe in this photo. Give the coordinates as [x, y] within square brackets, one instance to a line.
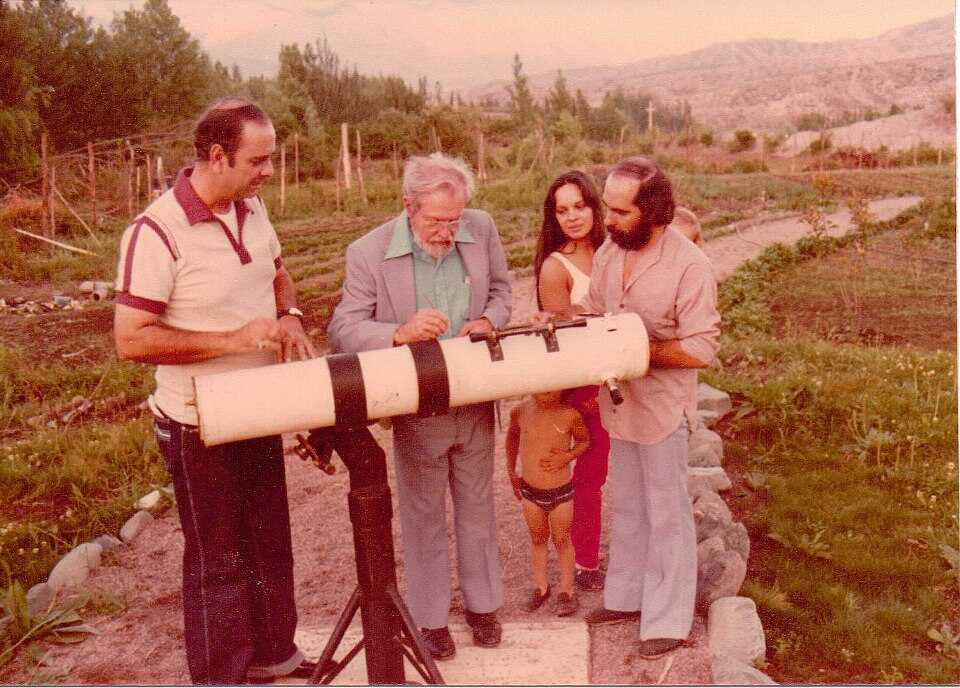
[487, 631]
[439, 642]
[657, 647]
[602, 616]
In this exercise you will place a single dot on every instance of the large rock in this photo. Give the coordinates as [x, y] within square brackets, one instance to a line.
[134, 525]
[150, 501]
[730, 672]
[734, 630]
[702, 439]
[709, 549]
[74, 568]
[712, 479]
[713, 400]
[736, 538]
[719, 577]
[39, 598]
[711, 515]
[108, 542]
[704, 456]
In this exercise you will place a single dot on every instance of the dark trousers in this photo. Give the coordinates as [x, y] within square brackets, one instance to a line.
[238, 604]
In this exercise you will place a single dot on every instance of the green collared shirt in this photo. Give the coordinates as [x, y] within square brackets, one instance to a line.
[442, 284]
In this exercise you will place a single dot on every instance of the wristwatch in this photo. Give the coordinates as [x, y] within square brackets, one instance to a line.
[293, 310]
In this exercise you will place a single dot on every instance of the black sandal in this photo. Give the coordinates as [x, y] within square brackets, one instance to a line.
[537, 599]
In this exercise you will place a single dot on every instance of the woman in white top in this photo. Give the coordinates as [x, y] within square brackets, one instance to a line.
[572, 230]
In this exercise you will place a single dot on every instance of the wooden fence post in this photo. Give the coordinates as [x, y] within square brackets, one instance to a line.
[345, 154]
[44, 183]
[50, 205]
[481, 155]
[136, 192]
[283, 177]
[92, 171]
[149, 179]
[339, 167]
[162, 180]
[363, 190]
[130, 180]
[396, 162]
[296, 159]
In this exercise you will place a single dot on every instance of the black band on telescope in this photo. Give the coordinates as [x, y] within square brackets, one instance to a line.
[433, 385]
[349, 393]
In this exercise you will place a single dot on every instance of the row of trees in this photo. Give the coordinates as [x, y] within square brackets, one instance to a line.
[78, 83]
[619, 109]
[145, 72]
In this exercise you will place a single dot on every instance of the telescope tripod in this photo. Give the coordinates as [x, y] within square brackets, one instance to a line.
[389, 632]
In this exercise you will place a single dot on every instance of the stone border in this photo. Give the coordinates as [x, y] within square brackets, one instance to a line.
[75, 566]
[734, 631]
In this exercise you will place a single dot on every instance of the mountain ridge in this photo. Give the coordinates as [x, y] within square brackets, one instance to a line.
[765, 82]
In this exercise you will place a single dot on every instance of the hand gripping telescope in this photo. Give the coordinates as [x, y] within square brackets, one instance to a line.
[338, 395]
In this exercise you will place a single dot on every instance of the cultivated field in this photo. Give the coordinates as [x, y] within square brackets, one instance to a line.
[842, 442]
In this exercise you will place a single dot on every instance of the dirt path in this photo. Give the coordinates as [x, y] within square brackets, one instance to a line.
[138, 589]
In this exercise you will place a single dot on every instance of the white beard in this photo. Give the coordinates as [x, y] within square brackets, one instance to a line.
[433, 250]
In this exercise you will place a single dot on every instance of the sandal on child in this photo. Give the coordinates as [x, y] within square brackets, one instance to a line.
[537, 599]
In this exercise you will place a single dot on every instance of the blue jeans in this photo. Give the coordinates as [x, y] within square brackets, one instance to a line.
[238, 606]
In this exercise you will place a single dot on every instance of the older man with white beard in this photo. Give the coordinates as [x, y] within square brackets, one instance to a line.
[437, 270]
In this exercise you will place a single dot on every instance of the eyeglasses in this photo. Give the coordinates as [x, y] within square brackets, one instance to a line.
[435, 223]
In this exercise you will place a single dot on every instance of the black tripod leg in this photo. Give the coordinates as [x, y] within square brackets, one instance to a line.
[343, 623]
[432, 675]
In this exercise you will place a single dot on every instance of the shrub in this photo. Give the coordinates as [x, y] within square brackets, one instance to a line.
[743, 139]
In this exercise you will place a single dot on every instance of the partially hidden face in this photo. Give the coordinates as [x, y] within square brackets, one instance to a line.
[574, 216]
[252, 162]
[434, 218]
[548, 398]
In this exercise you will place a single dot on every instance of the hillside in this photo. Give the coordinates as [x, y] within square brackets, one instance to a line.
[764, 84]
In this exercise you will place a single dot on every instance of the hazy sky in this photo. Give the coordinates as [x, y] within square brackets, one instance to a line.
[463, 42]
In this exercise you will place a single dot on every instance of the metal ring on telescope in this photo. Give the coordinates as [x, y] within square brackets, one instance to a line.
[349, 391]
[433, 385]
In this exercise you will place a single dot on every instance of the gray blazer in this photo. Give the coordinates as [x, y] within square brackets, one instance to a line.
[379, 295]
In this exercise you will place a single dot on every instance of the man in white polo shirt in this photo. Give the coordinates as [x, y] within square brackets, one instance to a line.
[201, 288]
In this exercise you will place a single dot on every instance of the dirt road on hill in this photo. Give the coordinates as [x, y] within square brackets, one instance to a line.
[141, 635]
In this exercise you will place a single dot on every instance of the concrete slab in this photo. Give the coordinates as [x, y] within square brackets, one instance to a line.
[546, 653]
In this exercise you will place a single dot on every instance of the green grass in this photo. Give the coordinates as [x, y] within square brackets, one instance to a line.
[61, 486]
[849, 453]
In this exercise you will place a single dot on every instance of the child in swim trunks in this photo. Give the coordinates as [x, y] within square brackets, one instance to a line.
[548, 435]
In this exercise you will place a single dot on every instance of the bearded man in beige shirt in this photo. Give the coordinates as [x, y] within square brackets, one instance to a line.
[647, 267]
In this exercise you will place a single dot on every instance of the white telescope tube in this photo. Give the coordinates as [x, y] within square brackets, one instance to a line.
[429, 378]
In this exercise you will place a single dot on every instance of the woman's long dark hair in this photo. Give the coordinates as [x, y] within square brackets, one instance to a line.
[552, 237]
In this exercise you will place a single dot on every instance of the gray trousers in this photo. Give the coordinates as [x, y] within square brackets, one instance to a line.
[454, 450]
[653, 541]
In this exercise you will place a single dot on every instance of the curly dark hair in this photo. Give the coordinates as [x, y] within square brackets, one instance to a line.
[551, 235]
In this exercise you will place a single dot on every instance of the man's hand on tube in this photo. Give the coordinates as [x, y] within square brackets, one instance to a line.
[261, 333]
[424, 325]
[478, 325]
[296, 344]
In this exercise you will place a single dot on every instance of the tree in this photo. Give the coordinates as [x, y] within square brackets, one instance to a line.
[162, 74]
[559, 99]
[522, 106]
[743, 139]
